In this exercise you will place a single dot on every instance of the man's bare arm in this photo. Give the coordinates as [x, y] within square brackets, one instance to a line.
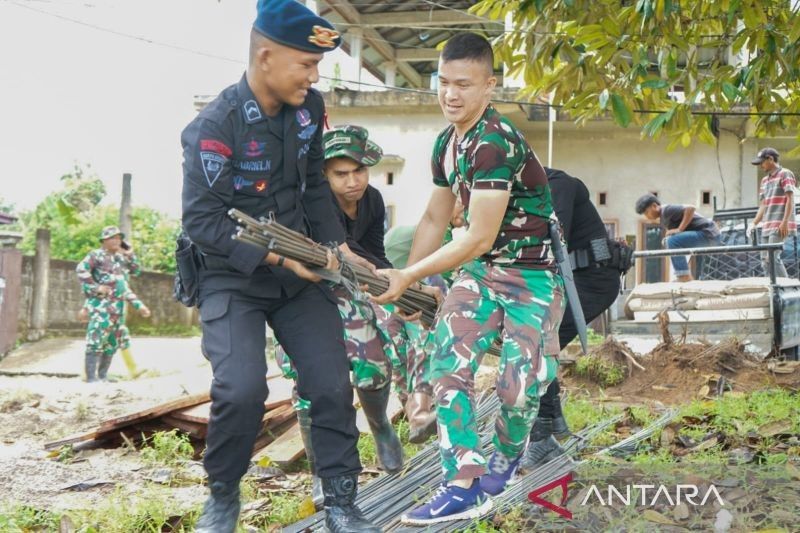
[433, 224]
[487, 209]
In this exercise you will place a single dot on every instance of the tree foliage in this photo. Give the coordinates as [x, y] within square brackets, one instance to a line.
[75, 219]
[656, 63]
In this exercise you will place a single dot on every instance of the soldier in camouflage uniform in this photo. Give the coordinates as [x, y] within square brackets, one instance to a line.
[507, 287]
[378, 341]
[103, 274]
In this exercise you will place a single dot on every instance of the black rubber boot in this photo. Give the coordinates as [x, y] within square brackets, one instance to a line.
[560, 427]
[221, 511]
[543, 446]
[390, 451]
[316, 483]
[103, 366]
[341, 513]
[91, 367]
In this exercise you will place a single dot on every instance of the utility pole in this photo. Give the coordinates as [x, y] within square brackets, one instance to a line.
[125, 213]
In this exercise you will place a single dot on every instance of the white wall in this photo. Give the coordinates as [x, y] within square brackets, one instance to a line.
[411, 136]
[623, 166]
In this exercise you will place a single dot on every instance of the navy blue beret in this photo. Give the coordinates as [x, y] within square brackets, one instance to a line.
[292, 24]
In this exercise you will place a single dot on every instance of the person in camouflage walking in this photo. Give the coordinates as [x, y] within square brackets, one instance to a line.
[103, 274]
[507, 287]
[379, 342]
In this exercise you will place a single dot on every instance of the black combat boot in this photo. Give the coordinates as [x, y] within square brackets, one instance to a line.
[390, 451]
[221, 511]
[316, 483]
[543, 446]
[91, 367]
[341, 513]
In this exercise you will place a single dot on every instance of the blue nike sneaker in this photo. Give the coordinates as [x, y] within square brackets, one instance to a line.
[501, 471]
[450, 503]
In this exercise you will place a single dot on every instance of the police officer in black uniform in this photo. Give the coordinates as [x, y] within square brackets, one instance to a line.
[597, 265]
[257, 147]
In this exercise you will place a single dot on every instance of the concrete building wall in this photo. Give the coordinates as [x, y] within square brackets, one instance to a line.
[65, 298]
[621, 165]
[409, 135]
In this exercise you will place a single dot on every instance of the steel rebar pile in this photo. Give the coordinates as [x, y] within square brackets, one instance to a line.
[278, 239]
[389, 496]
[385, 498]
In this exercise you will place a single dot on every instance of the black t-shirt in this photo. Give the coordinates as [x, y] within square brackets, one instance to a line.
[365, 233]
[574, 209]
[672, 215]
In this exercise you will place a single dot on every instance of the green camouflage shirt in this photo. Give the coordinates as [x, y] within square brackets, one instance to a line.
[100, 267]
[494, 155]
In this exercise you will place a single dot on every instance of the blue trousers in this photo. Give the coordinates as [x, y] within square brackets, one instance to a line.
[688, 239]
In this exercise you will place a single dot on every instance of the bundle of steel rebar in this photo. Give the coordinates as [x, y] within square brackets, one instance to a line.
[386, 498]
[274, 237]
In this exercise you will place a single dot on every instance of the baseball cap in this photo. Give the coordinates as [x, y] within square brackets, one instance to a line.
[110, 231]
[765, 153]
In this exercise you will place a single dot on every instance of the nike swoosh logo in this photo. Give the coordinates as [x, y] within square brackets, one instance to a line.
[435, 512]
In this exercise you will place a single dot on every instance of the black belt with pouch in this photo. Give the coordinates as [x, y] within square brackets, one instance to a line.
[603, 252]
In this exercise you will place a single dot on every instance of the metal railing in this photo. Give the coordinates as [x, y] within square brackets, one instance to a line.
[726, 262]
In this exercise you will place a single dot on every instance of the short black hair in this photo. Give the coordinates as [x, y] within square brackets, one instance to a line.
[646, 201]
[470, 46]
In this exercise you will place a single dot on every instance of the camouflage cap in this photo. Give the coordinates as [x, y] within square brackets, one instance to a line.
[353, 142]
[110, 231]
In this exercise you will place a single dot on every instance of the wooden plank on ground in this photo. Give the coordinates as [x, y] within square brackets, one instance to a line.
[280, 393]
[278, 416]
[284, 450]
[199, 413]
[195, 429]
[132, 418]
[154, 412]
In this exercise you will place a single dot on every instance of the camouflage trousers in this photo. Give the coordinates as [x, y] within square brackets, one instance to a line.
[380, 345]
[106, 332]
[486, 302]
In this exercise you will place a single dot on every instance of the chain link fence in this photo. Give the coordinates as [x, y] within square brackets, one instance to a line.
[727, 266]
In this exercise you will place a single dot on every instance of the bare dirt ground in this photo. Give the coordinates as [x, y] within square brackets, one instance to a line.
[35, 409]
[677, 373]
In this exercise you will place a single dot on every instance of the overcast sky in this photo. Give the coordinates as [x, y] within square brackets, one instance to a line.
[70, 92]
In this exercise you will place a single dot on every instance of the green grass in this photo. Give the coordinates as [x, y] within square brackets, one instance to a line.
[581, 414]
[147, 512]
[592, 337]
[167, 448]
[282, 508]
[150, 511]
[369, 455]
[740, 414]
[22, 518]
[599, 370]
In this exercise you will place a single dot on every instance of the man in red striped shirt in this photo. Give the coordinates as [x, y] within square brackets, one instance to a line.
[776, 209]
